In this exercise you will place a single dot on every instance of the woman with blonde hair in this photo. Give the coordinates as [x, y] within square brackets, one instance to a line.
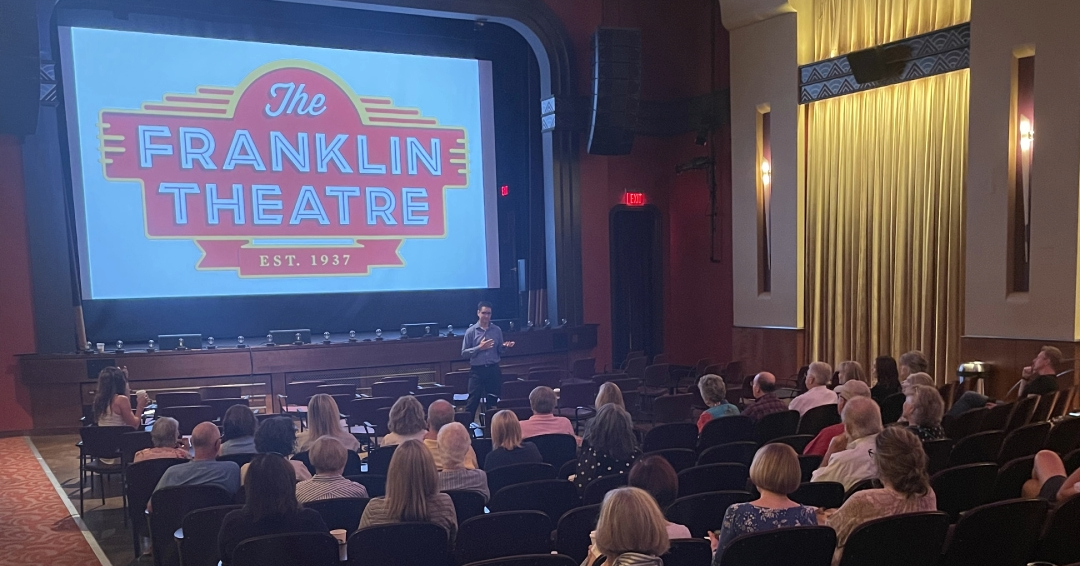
[609, 393]
[324, 419]
[631, 530]
[923, 410]
[901, 464]
[506, 444]
[776, 474]
[406, 421]
[851, 371]
[412, 492]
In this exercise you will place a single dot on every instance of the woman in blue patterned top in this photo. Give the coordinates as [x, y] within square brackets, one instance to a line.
[775, 472]
[714, 393]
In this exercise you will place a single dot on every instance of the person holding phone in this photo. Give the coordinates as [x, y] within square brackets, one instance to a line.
[483, 345]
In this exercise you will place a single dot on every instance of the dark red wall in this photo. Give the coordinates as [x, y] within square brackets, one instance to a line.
[676, 60]
[16, 314]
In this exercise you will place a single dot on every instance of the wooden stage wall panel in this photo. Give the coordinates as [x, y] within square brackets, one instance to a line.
[780, 351]
[61, 383]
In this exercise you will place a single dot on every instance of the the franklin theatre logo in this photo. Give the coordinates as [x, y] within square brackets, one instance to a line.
[289, 174]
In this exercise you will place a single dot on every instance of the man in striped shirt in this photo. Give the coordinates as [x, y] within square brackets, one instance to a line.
[328, 456]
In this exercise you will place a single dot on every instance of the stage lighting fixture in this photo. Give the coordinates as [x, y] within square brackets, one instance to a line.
[210, 343]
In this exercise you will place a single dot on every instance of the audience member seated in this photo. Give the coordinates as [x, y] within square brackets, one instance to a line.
[817, 394]
[439, 414]
[1040, 378]
[912, 362]
[454, 444]
[631, 530]
[204, 469]
[1048, 479]
[542, 400]
[766, 403]
[167, 444]
[850, 457]
[609, 446]
[914, 380]
[406, 422]
[656, 476]
[412, 492]
[844, 393]
[609, 393]
[324, 419]
[851, 371]
[506, 444]
[714, 393]
[271, 507]
[112, 403]
[776, 474]
[888, 378]
[277, 435]
[923, 410]
[329, 457]
[901, 465]
[239, 426]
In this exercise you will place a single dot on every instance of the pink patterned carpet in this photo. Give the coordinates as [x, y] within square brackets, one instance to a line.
[35, 525]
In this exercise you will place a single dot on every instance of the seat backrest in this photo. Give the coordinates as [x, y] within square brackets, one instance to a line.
[556, 449]
[862, 485]
[529, 560]
[979, 447]
[392, 389]
[458, 380]
[703, 512]
[171, 505]
[340, 513]
[549, 377]
[791, 546]
[165, 399]
[892, 407]
[188, 416]
[336, 389]
[304, 459]
[518, 473]
[688, 552]
[1064, 436]
[375, 484]
[823, 494]
[400, 544]
[199, 547]
[775, 425]
[1024, 441]
[132, 442]
[240, 459]
[937, 454]
[735, 428]
[572, 532]
[583, 368]
[596, 489]
[712, 477]
[577, 395]
[625, 384]
[797, 441]
[221, 405]
[364, 410]
[969, 422]
[292, 549]
[482, 447]
[517, 389]
[657, 375]
[1071, 461]
[497, 535]
[730, 453]
[893, 537]
[412, 380]
[553, 497]
[300, 392]
[964, 487]
[818, 418]
[1046, 404]
[673, 408]
[635, 367]
[670, 435]
[467, 504]
[679, 458]
[997, 534]
[1011, 477]
[997, 417]
[807, 464]
[139, 481]
[378, 460]
[1058, 544]
[428, 398]
[1022, 412]
[102, 441]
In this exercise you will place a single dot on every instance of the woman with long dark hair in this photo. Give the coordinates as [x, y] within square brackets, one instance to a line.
[608, 447]
[270, 507]
[888, 378]
[239, 426]
[112, 404]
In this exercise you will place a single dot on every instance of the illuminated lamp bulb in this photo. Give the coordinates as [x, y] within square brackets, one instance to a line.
[1027, 134]
[766, 173]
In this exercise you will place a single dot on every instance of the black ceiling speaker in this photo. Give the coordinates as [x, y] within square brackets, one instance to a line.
[616, 90]
[878, 63]
[20, 67]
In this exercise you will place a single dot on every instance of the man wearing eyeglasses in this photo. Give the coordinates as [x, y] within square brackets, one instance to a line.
[483, 346]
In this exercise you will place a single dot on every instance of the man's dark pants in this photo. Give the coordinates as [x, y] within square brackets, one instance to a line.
[484, 380]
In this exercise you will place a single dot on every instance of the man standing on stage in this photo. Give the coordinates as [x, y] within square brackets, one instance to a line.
[483, 345]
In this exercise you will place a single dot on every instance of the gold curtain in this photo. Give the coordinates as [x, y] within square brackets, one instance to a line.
[843, 26]
[885, 173]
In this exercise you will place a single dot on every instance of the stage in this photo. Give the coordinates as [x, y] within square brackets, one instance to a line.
[60, 384]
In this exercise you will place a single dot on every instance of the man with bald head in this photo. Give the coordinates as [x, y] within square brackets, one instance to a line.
[764, 386]
[439, 414]
[817, 394]
[204, 469]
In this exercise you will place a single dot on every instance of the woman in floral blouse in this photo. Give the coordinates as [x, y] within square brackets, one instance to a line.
[775, 472]
[608, 448]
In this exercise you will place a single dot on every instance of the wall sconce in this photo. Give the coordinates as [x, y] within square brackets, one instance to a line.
[766, 173]
[1027, 140]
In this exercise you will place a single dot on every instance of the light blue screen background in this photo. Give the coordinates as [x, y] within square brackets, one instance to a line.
[121, 69]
